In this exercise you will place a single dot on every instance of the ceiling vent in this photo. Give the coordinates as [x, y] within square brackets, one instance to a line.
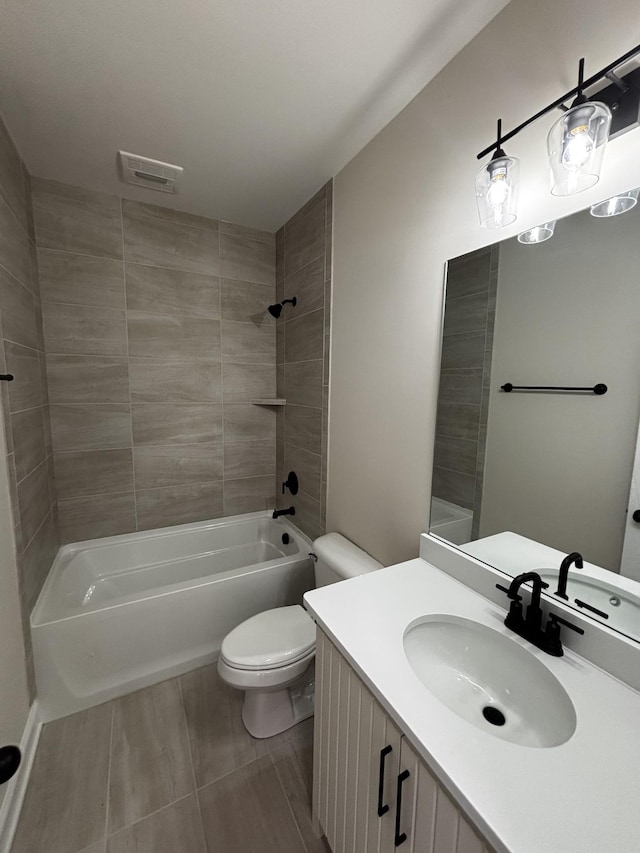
[152, 174]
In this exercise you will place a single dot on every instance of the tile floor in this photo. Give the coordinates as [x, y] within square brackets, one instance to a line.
[169, 769]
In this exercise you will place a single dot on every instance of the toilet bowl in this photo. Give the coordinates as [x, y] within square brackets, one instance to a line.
[271, 656]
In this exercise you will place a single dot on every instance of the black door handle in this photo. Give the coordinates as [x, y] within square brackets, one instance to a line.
[401, 837]
[636, 515]
[383, 808]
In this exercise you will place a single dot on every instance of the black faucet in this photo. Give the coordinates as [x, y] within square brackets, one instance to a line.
[278, 512]
[533, 620]
[529, 627]
[565, 565]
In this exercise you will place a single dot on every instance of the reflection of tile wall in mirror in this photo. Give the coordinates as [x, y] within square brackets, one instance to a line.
[464, 381]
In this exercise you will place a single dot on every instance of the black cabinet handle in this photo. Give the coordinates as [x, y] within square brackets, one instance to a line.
[383, 808]
[401, 837]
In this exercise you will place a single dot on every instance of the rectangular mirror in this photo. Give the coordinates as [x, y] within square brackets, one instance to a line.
[521, 478]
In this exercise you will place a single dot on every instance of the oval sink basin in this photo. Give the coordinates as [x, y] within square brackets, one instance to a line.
[490, 681]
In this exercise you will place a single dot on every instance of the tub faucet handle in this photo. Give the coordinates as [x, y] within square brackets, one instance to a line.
[291, 483]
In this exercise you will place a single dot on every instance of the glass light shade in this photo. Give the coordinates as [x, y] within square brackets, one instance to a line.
[497, 192]
[576, 144]
[616, 205]
[537, 234]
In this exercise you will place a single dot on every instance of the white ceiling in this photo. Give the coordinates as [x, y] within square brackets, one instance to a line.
[261, 101]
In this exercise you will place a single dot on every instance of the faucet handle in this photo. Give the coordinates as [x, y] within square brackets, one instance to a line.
[504, 589]
[555, 620]
[553, 643]
[291, 483]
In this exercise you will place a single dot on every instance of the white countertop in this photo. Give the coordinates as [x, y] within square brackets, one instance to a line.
[580, 797]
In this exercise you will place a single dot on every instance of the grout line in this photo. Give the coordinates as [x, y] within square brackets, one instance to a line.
[139, 447]
[18, 282]
[304, 267]
[235, 770]
[35, 468]
[286, 798]
[193, 770]
[302, 406]
[299, 316]
[299, 447]
[302, 361]
[108, 796]
[442, 435]
[30, 409]
[141, 214]
[454, 471]
[23, 346]
[221, 382]
[126, 328]
[38, 529]
[167, 487]
[151, 814]
[24, 228]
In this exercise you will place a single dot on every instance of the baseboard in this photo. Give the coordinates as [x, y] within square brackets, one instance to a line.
[16, 787]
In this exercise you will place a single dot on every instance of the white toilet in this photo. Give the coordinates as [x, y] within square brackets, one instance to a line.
[271, 656]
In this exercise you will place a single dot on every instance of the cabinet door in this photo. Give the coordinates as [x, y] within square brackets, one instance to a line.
[428, 818]
[383, 775]
[354, 742]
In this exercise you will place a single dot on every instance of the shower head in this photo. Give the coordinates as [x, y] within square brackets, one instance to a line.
[276, 310]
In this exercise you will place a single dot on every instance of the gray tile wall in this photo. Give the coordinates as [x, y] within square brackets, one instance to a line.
[24, 401]
[303, 270]
[157, 338]
[464, 379]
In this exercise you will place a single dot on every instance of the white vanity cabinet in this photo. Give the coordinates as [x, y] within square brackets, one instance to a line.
[362, 767]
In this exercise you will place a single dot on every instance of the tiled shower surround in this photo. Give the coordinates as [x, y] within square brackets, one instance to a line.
[24, 401]
[138, 337]
[303, 270]
[157, 338]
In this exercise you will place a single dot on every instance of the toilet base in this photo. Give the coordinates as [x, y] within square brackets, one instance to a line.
[266, 713]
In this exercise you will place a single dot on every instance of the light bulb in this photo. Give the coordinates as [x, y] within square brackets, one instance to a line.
[577, 148]
[497, 192]
[616, 205]
[537, 234]
[576, 145]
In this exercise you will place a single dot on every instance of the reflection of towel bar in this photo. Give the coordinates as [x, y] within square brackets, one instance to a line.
[598, 389]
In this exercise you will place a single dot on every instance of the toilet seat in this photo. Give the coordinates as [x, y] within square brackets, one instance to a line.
[277, 678]
[271, 640]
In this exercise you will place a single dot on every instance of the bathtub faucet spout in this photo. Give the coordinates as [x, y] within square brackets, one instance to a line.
[278, 512]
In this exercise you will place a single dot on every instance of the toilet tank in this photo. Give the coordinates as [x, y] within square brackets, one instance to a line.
[339, 559]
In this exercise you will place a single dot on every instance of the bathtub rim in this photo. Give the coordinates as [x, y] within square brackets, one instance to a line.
[70, 549]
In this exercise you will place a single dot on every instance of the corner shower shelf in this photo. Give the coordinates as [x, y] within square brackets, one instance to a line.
[269, 401]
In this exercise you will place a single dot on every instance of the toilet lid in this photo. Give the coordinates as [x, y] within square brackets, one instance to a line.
[270, 639]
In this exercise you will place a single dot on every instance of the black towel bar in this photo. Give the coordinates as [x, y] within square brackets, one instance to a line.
[598, 389]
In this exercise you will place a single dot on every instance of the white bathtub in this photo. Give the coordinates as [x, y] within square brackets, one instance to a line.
[450, 521]
[121, 613]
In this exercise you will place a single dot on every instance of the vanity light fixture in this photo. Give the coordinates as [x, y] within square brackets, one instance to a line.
[616, 205]
[497, 188]
[537, 234]
[575, 143]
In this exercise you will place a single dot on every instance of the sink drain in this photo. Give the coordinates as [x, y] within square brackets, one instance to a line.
[493, 715]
